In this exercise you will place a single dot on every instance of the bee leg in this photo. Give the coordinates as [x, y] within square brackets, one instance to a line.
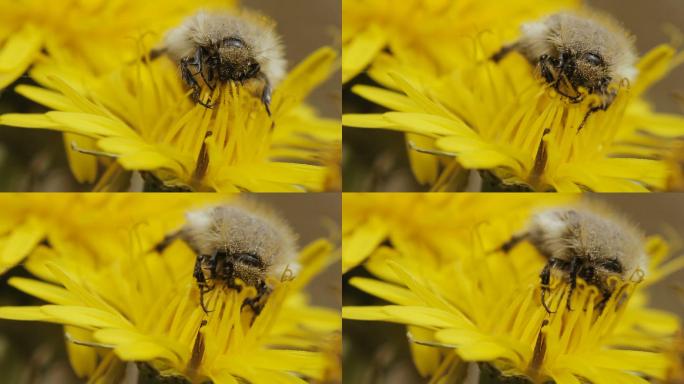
[604, 106]
[231, 281]
[168, 239]
[512, 242]
[575, 267]
[503, 52]
[591, 111]
[606, 294]
[545, 71]
[189, 79]
[199, 62]
[257, 302]
[545, 277]
[205, 289]
[201, 281]
[266, 93]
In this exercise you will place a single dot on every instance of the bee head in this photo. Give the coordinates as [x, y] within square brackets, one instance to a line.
[586, 69]
[248, 267]
[236, 61]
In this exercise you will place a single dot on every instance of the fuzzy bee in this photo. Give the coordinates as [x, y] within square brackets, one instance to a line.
[570, 51]
[589, 242]
[221, 46]
[242, 241]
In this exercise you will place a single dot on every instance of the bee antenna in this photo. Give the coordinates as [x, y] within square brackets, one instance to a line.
[287, 274]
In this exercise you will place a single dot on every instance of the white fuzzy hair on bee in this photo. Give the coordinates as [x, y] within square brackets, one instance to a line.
[240, 46]
[242, 243]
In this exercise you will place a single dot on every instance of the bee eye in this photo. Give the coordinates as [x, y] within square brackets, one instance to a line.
[233, 42]
[593, 58]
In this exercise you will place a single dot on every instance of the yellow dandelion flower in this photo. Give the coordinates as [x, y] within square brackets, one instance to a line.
[82, 224]
[418, 31]
[499, 117]
[144, 307]
[493, 313]
[93, 37]
[143, 118]
[434, 225]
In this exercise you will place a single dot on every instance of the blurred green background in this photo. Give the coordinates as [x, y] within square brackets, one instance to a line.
[376, 160]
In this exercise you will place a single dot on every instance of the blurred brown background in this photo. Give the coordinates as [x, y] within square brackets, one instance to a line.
[377, 352]
[34, 353]
[375, 160]
[35, 160]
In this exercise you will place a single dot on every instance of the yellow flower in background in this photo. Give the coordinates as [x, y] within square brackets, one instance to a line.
[499, 117]
[143, 118]
[144, 307]
[438, 226]
[492, 313]
[81, 225]
[95, 36]
[419, 31]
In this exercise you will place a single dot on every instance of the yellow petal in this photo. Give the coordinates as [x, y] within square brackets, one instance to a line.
[48, 292]
[21, 241]
[652, 67]
[19, 51]
[359, 245]
[425, 358]
[148, 160]
[389, 292]
[91, 125]
[360, 52]
[46, 97]
[28, 120]
[83, 359]
[389, 99]
[83, 166]
[144, 351]
[365, 120]
[425, 167]
[84, 316]
[565, 377]
[302, 79]
[423, 122]
[24, 313]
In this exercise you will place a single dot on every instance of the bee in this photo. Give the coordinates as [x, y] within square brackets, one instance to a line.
[220, 46]
[571, 51]
[589, 242]
[241, 241]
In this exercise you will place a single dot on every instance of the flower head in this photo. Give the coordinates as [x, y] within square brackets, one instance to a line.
[143, 118]
[492, 312]
[144, 307]
[418, 31]
[500, 118]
